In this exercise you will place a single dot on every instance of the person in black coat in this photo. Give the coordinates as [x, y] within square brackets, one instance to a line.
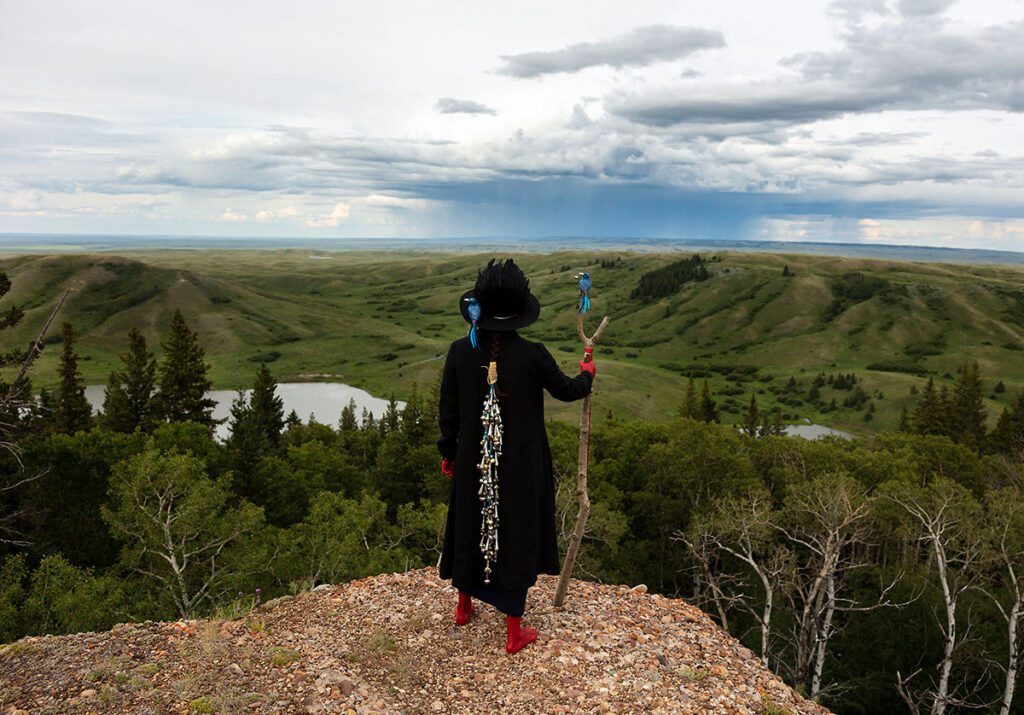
[523, 538]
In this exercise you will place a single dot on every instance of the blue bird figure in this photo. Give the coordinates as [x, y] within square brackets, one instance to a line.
[474, 315]
[584, 292]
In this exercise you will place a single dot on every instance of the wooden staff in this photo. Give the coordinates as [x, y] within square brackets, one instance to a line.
[581, 476]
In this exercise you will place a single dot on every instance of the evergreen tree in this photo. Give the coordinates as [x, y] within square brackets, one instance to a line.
[751, 420]
[292, 420]
[183, 381]
[348, 422]
[929, 416]
[389, 422]
[71, 411]
[412, 420]
[690, 407]
[128, 399]
[905, 424]
[1008, 436]
[708, 408]
[267, 408]
[967, 408]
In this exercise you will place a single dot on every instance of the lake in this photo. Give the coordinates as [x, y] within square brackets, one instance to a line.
[325, 400]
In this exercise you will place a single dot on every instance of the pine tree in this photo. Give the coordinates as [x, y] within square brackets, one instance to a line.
[904, 425]
[690, 407]
[348, 422]
[71, 411]
[128, 399]
[267, 408]
[1008, 436]
[751, 421]
[389, 422]
[929, 416]
[183, 381]
[967, 408]
[708, 408]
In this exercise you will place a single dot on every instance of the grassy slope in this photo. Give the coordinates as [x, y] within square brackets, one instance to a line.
[345, 315]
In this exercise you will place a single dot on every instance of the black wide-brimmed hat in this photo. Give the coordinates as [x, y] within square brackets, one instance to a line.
[503, 293]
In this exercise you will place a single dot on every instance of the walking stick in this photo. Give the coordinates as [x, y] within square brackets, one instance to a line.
[581, 476]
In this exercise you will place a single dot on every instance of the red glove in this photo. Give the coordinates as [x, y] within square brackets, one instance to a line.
[447, 468]
[587, 363]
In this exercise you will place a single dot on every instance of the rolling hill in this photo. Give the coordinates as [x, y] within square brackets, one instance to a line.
[760, 324]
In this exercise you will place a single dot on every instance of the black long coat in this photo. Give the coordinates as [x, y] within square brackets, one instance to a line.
[527, 541]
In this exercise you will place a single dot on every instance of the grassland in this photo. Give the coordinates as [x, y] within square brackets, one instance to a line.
[382, 321]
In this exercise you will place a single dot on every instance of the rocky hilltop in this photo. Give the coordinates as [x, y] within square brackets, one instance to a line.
[388, 644]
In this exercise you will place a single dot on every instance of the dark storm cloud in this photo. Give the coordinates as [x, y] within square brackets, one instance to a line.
[450, 105]
[637, 48]
[909, 64]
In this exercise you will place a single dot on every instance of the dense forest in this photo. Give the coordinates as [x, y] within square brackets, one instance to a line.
[881, 574]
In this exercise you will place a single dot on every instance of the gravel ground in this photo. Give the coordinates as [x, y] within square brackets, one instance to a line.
[388, 644]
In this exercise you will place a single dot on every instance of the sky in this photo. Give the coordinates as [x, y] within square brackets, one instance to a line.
[871, 121]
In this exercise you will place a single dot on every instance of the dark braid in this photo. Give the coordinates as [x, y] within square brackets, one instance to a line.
[495, 349]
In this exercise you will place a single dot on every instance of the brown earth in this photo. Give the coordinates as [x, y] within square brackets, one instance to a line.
[388, 644]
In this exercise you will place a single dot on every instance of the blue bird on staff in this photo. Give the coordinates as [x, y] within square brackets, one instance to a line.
[584, 292]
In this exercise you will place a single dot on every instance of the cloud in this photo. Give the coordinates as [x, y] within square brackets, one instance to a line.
[450, 105]
[230, 215]
[637, 48]
[340, 212]
[923, 8]
[899, 64]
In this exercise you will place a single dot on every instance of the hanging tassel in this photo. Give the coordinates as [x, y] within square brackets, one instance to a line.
[474, 315]
[490, 451]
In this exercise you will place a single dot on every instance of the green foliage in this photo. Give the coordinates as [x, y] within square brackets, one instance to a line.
[667, 280]
[71, 411]
[64, 599]
[128, 399]
[182, 377]
[855, 287]
[182, 530]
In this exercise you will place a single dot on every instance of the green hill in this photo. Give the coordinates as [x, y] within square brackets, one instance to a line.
[383, 320]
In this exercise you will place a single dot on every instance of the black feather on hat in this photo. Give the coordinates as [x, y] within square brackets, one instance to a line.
[503, 292]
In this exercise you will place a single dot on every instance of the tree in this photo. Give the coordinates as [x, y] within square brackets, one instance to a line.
[931, 416]
[182, 376]
[690, 407]
[751, 421]
[72, 412]
[1005, 525]
[181, 529]
[741, 527]
[348, 422]
[967, 407]
[267, 407]
[827, 523]
[708, 408]
[946, 519]
[128, 400]
[15, 402]
[1008, 435]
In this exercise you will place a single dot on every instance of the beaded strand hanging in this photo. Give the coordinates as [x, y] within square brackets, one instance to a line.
[490, 451]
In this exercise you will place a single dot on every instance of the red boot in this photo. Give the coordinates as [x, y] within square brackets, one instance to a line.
[518, 636]
[464, 610]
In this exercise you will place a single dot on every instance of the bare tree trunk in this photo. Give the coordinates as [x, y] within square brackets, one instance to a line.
[823, 636]
[942, 691]
[1014, 659]
[581, 475]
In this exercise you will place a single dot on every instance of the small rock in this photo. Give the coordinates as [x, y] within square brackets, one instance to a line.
[88, 693]
[347, 687]
[639, 588]
[235, 668]
[437, 706]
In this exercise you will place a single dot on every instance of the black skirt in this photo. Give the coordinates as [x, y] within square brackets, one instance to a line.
[511, 602]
